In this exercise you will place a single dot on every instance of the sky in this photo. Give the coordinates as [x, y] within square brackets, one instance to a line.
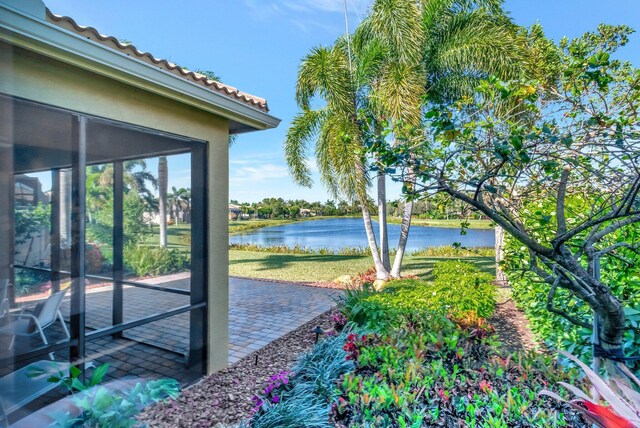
[257, 46]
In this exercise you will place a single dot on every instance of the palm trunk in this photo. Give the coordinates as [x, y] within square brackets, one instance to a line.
[501, 278]
[402, 243]
[65, 208]
[162, 190]
[381, 271]
[405, 226]
[382, 220]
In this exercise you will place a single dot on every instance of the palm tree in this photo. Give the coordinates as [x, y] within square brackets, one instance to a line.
[326, 72]
[163, 177]
[180, 201]
[403, 52]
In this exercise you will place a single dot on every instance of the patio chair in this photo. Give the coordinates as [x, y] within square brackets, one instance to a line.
[4, 299]
[44, 316]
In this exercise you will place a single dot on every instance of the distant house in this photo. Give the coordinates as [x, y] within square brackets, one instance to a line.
[235, 212]
[306, 212]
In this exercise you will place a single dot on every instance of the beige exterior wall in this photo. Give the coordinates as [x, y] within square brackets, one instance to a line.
[34, 77]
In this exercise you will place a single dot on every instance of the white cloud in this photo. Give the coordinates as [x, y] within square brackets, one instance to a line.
[263, 10]
[256, 175]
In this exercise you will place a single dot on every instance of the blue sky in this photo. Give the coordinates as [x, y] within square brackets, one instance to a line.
[257, 45]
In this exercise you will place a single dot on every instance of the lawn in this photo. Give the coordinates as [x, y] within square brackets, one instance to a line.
[178, 236]
[314, 267]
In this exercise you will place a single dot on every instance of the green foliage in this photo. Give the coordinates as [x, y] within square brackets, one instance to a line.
[446, 377]
[26, 279]
[97, 407]
[71, 380]
[101, 408]
[299, 249]
[517, 141]
[459, 288]
[620, 273]
[30, 220]
[452, 251]
[145, 260]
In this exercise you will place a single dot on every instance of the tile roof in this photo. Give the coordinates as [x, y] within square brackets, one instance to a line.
[111, 42]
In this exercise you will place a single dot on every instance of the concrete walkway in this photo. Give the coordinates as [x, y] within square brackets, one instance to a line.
[259, 312]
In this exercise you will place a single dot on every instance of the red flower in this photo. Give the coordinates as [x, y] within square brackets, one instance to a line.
[485, 386]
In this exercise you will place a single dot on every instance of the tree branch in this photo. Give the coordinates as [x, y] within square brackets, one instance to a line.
[493, 215]
[562, 193]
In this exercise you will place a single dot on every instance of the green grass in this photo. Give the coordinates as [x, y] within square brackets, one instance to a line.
[176, 236]
[315, 267]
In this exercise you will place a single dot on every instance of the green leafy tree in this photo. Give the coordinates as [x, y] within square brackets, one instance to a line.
[579, 136]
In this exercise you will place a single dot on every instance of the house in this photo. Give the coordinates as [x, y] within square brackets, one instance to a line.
[306, 212]
[235, 212]
[71, 97]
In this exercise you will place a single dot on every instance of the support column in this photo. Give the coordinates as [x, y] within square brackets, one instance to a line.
[199, 272]
[118, 244]
[78, 211]
[218, 307]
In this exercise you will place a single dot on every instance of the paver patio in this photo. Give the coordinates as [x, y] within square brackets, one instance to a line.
[259, 312]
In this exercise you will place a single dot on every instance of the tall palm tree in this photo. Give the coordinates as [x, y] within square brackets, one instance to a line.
[403, 52]
[439, 50]
[326, 72]
[179, 200]
[163, 182]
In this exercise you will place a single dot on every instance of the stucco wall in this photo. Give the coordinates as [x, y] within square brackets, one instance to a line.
[38, 78]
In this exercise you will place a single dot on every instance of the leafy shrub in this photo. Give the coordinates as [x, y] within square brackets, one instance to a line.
[447, 378]
[300, 249]
[26, 280]
[96, 406]
[143, 260]
[458, 288]
[454, 251]
[102, 408]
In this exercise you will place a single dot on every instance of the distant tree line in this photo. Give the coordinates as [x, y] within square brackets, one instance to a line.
[439, 206]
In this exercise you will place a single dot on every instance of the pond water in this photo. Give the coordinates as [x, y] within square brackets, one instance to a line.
[338, 233]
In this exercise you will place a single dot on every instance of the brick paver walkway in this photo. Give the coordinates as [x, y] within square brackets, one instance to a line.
[259, 312]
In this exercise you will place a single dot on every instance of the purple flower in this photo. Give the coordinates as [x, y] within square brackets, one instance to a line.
[275, 399]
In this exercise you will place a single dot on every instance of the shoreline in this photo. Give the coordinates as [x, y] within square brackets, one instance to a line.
[251, 225]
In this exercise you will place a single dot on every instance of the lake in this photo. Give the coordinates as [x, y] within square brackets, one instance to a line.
[338, 233]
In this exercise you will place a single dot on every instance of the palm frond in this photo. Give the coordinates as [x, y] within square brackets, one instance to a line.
[303, 128]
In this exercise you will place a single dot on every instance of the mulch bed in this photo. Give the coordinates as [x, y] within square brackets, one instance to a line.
[224, 398]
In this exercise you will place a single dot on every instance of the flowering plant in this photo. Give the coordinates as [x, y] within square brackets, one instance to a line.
[278, 384]
[354, 345]
[339, 321]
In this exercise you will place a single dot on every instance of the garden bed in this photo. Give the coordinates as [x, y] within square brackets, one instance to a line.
[421, 354]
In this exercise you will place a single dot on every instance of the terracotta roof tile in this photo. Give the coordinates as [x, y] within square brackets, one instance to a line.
[91, 33]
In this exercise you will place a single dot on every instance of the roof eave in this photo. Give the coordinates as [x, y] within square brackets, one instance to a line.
[39, 36]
